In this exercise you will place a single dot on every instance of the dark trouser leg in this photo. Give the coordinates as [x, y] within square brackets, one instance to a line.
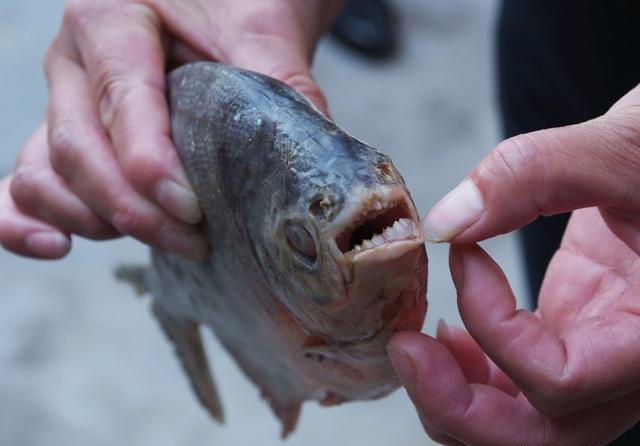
[562, 62]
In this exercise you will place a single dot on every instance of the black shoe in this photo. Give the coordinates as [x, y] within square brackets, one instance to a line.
[368, 27]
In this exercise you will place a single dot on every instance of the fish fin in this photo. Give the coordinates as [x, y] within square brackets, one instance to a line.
[287, 412]
[136, 276]
[332, 399]
[187, 342]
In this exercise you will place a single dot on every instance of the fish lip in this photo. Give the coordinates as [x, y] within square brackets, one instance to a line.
[375, 337]
[387, 251]
[347, 348]
[380, 209]
[337, 347]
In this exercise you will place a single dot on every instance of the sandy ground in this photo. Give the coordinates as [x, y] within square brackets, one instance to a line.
[81, 360]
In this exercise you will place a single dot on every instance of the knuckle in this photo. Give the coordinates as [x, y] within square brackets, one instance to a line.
[49, 57]
[127, 218]
[53, 54]
[77, 12]
[124, 217]
[113, 86]
[109, 78]
[623, 149]
[64, 147]
[449, 417]
[138, 165]
[555, 395]
[119, 92]
[513, 156]
[625, 129]
[518, 161]
[24, 184]
[114, 78]
[145, 168]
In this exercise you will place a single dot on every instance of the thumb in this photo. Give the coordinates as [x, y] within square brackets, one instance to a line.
[277, 39]
[284, 59]
[548, 172]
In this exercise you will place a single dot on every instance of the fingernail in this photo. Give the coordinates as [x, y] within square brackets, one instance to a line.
[49, 244]
[403, 365]
[442, 332]
[186, 244]
[457, 211]
[179, 201]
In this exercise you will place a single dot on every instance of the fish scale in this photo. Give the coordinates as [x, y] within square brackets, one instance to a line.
[317, 256]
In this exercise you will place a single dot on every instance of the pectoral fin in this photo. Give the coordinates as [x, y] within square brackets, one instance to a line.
[136, 276]
[185, 335]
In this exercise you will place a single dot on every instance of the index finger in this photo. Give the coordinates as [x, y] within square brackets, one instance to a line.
[547, 172]
[124, 59]
[593, 361]
[483, 415]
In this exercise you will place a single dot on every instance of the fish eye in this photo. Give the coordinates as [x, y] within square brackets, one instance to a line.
[301, 241]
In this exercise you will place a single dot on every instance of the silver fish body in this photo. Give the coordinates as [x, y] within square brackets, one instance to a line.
[317, 256]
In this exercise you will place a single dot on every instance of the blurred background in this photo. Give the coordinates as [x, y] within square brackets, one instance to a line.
[81, 359]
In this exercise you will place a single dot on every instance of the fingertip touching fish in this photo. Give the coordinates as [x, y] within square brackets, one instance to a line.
[317, 253]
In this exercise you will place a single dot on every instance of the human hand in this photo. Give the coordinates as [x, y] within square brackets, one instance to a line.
[103, 163]
[568, 374]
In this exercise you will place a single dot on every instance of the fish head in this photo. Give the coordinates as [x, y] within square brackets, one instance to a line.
[352, 262]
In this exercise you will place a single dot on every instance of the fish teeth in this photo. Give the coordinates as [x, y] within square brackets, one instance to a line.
[378, 240]
[402, 229]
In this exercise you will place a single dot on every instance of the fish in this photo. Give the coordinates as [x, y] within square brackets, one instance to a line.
[317, 255]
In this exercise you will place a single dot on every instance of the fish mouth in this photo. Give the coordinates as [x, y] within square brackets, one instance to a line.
[383, 220]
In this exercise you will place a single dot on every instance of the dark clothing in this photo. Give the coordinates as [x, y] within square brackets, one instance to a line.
[562, 62]
[565, 61]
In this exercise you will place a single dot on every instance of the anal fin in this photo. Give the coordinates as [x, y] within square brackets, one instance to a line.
[185, 336]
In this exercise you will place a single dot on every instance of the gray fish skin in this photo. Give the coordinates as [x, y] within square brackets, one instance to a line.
[292, 290]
